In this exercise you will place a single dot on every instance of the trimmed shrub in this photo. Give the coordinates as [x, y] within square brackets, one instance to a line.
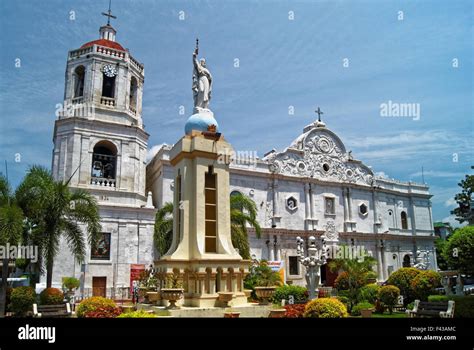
[364, 305]
[137, 314]
[342, 281]
[369, 293]
[284, 292]
[343, 299]
[388, 295]
[402, 279]
[425, 284]
[22, 300]
[51, 296]
[97, 307]
[71, 283]
[325, 308]
[294, 310]
[464, 306]
[434, 298]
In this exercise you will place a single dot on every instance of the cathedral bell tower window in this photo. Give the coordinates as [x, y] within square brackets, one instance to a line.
[104, 163]
[79, 75]
[108, 84]
[133, 94]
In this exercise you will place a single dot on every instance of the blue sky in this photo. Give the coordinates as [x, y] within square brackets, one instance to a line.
[282, 63]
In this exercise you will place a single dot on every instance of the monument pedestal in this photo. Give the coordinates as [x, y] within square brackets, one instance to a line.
[202, 254]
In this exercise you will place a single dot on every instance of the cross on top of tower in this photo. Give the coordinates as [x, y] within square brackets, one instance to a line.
[108, 14]
[319, 112]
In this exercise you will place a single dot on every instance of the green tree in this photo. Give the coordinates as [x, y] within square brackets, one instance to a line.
[243, 213]
[402, 279]
[459, 250]
[464, 212]
[440, 246]
[57, 211]
[163, 233]
[11, 229]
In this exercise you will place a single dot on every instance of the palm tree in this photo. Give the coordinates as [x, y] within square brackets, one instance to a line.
[11, 229]
[243, 213]
[57, 211]
[163, 234]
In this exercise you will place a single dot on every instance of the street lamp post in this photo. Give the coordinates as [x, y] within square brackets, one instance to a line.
[313, 262]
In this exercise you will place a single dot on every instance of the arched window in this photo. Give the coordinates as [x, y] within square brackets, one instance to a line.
[404, 220]
[79, 75]
[104, 164]
[133, 93]
[235, 204]
[108, 86]
[406, 261]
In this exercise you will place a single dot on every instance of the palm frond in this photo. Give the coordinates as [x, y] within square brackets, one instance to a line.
[163, 233]
[75, 239]
[83, 208]
[11, 224]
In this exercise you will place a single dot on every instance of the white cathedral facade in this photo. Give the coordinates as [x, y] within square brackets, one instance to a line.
[313, 187]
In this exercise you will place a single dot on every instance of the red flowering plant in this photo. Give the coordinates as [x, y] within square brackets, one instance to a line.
[97, 307]
[294, 310]
[103, 312]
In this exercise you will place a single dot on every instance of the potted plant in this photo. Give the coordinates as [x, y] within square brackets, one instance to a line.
[266, 281]
[70, 284]
[152, 293]
[172, 289]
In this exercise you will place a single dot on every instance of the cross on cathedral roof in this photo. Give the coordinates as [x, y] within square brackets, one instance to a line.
[108, 14]
[319, 112]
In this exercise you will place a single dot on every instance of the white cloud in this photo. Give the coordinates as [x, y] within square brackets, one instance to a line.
[382, 175]
[153, 151]
[451, 219]
[450, 202]
[433, 173]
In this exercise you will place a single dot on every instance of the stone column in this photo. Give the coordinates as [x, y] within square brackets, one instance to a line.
[234, 285]
[374, 204]
[346, 206]
[212, 283]
[349, 204]
[379, 263]
[311, 205]
[275, 203]
[412, 216]
[395, 213]
[201, 278]
[271, 255]
[307, 213]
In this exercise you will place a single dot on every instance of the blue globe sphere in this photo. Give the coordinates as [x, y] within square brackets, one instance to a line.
[200, 122]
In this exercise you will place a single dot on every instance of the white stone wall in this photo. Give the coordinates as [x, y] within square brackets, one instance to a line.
[131, 243]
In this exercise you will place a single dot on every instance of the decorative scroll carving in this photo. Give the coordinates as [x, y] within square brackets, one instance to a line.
[319, 153]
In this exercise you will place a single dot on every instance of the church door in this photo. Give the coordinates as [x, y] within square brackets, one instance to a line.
[99, 286]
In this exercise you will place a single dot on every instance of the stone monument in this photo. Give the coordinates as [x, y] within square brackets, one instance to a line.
[202, 253]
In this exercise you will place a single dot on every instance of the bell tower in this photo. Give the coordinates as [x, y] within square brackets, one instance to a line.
[99, 140]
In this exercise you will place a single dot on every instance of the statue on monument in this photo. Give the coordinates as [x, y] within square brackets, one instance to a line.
[202, 81]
